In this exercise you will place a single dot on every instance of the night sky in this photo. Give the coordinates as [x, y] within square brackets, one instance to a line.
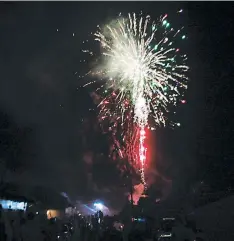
[40, 57]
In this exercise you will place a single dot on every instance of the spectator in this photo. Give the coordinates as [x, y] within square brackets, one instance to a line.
[3, 236]
[8, 228]
[13, 227]
[31, 230]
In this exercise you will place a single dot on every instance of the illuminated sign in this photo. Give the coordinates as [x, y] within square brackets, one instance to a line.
[8, 204]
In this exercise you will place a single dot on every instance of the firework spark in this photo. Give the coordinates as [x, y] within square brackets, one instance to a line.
[144, 73]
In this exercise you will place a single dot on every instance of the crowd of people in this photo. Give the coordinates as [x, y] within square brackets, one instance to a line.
[21, 226]
[28, 226]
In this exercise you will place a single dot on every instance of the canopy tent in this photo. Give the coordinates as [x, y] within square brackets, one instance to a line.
[49, 199]
[45, 197]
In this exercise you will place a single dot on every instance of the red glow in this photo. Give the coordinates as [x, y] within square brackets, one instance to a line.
[126, 102]
[142, 154]
[138, 190]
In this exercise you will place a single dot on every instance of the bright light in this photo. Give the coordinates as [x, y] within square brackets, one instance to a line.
[98, 206]
[143, 74]
[166, 235]
[8, 204]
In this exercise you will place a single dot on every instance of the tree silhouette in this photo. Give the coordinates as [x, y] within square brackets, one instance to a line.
[13, 141]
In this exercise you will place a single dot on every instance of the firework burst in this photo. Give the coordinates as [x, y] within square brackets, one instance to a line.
[144, 74]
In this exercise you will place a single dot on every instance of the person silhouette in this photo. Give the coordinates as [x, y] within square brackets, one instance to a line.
[3, 235]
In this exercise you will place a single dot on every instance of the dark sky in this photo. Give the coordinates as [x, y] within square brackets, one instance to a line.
[38, 90]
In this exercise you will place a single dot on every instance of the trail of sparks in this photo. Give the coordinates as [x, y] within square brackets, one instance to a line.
[142, 155]
[144, 75]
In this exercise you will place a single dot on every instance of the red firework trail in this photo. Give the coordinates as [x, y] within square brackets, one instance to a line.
[142, 153]
[127, 137]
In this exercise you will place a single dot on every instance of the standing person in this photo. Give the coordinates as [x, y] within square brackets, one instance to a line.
[31, 231]
[8, 228]
[76, 235]
[3, 236]
[13, 228]
[21, 228]
[127, 221]
[181, 232]
[82, 229]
